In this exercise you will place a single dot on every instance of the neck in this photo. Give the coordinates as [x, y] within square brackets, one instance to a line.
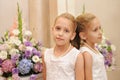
[90, 44]
[61, 50]
[92, 47]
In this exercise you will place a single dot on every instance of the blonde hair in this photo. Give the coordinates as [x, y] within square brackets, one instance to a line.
[69, 17]
[84, 20]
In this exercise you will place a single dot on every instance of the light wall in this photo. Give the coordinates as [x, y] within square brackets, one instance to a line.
[39, 20]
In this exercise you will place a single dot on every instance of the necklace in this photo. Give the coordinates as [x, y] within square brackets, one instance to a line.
[63, 53]
[94, 50]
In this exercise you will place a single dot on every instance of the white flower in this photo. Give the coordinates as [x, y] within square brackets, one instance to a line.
[17, 42]
[3, 55]
[16, 31]
[29, 48]
[22, 47]
[14, 40]
[27, 33]
[13, 51]
[113, 47]
[35, 59]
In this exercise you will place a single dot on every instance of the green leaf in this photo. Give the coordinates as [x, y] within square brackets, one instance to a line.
[20, 23]
[83, 9]
[109, 48]
[6, 35]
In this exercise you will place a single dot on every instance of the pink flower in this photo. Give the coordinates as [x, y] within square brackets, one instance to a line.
[14, 26]
[1, 72]
[7, 65]
[38, 67]
[15, 77]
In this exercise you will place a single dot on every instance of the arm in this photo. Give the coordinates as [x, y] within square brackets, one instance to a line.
[88, 66]
[79, 68]
[44, 67]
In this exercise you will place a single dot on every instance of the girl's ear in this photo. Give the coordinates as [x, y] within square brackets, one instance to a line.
[82, 35]
[73, 36]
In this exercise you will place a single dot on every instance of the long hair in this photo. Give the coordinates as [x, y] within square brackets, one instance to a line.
[82, 21]
[77, 40]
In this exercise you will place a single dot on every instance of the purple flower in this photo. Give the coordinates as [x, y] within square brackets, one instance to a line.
[33, 77]
[27, 43]
[15, 71]
[108, 42]
[104, 51]
[35, 52]
[39, 43]
[15, 57]
[28, 54]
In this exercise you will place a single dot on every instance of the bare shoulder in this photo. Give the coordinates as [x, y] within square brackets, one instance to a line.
[80, 55]
[87, 58]
[86, 54]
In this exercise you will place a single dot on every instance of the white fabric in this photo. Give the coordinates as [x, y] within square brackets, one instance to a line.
[98, 67]
[60, 68]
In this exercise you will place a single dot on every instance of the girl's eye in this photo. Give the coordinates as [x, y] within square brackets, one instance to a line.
[67, 30]
[95, 29]
[57, 28]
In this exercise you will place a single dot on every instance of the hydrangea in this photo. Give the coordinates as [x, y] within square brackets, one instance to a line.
[25, 66]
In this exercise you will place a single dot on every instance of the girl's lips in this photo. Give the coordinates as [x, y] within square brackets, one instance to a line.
[59, 38]
[99, 37]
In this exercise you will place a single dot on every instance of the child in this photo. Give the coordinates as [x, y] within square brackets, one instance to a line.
[89, 33]
[63, 62]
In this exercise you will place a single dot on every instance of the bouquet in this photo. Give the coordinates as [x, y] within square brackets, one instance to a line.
[107, 49]
[20, 54]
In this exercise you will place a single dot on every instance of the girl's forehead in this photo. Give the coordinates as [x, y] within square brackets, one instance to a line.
[64, 22]
[63, 19]
[93, 23]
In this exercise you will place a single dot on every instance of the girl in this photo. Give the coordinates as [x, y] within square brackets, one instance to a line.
[63, 62]
[89, 33]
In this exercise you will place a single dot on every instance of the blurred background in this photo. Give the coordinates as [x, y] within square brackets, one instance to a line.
[39, 15]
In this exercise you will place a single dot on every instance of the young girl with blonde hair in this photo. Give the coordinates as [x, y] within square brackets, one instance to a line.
[63, 62]
[88, 34]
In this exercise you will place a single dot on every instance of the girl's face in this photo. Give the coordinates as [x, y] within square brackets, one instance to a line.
[93, 33]
[63, 31]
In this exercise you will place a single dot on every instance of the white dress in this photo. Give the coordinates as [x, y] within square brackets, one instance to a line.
[98, 67]
[60, 68]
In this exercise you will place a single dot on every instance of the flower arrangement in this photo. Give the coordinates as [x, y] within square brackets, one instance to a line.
[20, 54]
[107, 49]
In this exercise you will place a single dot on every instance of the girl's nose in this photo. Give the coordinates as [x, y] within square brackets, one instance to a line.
[100, 31]
[61, 32]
